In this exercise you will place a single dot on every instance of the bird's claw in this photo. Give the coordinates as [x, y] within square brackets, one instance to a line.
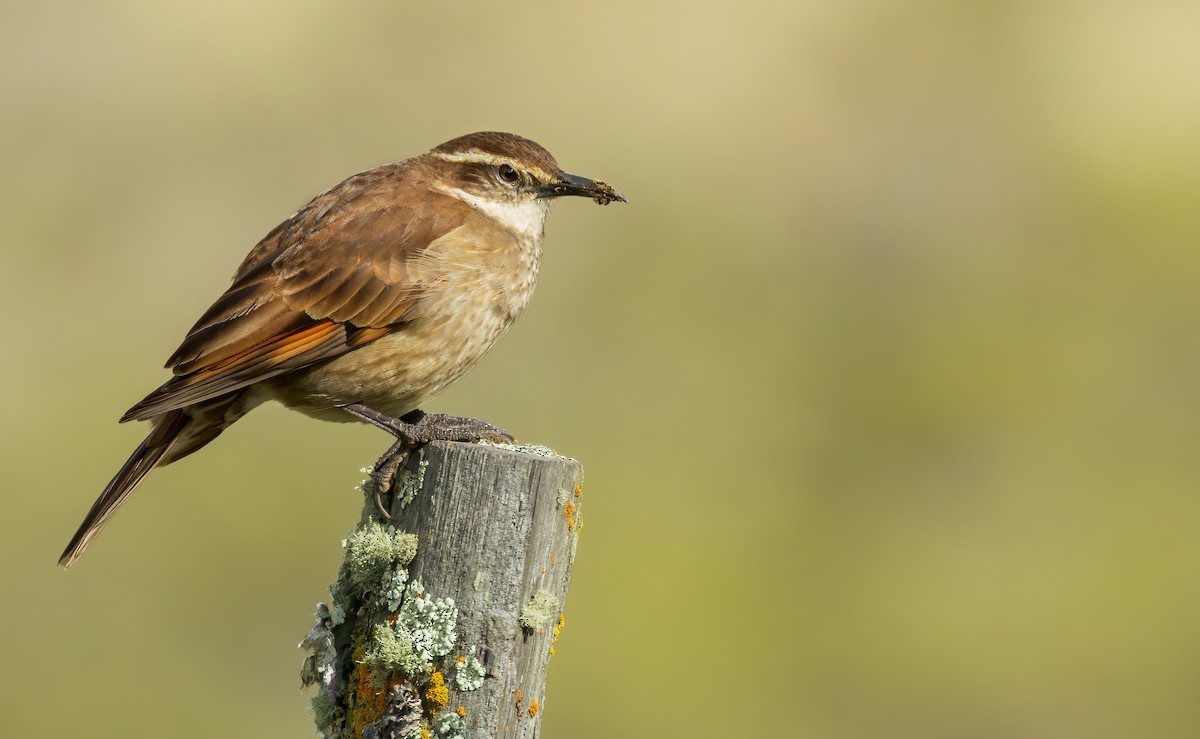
[415, 429]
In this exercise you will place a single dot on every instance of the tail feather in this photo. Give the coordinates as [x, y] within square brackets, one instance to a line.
[146, 457]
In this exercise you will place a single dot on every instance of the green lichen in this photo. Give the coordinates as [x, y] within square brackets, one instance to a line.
[393, 649]
[393, 591]
[470, 673]
[563, 497]
[431, 623]
[373, 552]
[424, 628]
[450, 726]
[541, 608]
[328, 716]
[408, 483]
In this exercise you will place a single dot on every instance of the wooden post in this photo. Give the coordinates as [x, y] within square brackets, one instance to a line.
[445, 618]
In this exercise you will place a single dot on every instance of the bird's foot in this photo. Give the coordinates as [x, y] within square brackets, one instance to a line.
[427, 427]
[412, 430]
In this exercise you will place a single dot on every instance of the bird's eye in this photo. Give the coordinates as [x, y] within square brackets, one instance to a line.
[506, 173]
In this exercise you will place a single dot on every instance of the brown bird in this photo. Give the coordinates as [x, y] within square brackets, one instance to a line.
[372, 298]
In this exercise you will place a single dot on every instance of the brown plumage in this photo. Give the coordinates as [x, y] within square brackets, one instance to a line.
[381, 291]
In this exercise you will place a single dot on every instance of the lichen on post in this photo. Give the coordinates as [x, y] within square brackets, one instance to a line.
[442, 620]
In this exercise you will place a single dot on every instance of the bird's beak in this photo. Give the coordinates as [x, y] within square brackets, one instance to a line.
[570, 184]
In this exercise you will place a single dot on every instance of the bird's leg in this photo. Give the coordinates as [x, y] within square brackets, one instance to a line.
[411, 431]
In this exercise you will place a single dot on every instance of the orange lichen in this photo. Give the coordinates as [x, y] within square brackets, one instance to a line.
[437, 695]
[553, 557]
[461, 659]
[364, 703]
[518, 696]
[369, 699]
[533, 708]
[461, 711]
[570, 524]
[568, 510]
[578, 490]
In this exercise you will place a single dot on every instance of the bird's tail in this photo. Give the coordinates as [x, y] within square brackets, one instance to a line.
[167, 429]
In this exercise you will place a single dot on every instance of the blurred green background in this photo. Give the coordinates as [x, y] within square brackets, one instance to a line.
[885, 382]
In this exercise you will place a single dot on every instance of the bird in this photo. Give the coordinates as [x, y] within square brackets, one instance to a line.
[372, 298]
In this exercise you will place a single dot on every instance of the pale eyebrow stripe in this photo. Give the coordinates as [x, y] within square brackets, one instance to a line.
[474, 155]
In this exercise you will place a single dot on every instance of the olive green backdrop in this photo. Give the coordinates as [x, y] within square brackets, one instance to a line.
[885, 381]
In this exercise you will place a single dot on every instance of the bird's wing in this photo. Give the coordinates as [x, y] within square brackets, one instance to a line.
[347, 269]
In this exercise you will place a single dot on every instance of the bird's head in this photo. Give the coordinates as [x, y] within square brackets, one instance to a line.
[509, 178]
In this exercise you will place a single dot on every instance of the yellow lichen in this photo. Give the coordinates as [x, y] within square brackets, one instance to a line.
[436, 694]
[533, 708]
[558, 627]
[578, 490]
